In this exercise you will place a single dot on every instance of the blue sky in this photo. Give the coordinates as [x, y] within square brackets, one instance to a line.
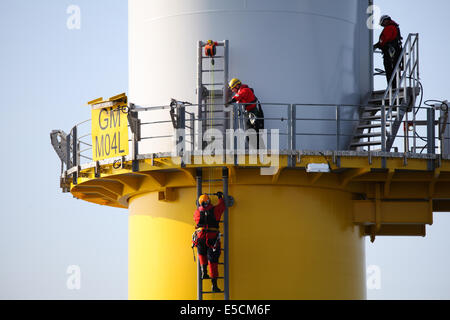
[416, 268]
[49, 72]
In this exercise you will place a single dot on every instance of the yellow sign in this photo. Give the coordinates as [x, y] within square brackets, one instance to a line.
[109, 132]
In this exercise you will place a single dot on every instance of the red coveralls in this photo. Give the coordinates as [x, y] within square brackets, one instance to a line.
[245, 95]
[208, 246]
[390, 45]
[389, 34]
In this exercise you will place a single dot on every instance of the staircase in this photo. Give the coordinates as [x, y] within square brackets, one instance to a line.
[371, 127]
[381, 119]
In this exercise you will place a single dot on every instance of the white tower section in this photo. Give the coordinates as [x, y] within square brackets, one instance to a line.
[289, 51]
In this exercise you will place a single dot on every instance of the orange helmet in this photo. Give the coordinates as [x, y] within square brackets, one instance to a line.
[204, 200]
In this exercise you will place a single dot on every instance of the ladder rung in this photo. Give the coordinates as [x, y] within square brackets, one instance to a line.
[213, 84]
[218, 70]
[368, 135]
[209, 292]
[216, 180]
[215, 57]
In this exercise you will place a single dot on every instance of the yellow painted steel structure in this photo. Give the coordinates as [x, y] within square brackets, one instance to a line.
[293, 235]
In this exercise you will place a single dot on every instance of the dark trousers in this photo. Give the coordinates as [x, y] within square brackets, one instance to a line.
[209, 255]
[390, 59]
[257, 125]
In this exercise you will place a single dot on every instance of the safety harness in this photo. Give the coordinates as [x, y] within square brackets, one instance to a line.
[256, 115]
[207, 224]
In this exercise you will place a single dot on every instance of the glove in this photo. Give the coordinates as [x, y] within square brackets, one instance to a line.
[219, 195]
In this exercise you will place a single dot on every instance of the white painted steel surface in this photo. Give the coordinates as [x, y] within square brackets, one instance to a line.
[290, 51]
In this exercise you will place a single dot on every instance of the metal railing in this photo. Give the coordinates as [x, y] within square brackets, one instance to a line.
[405, 80]
[312, 127]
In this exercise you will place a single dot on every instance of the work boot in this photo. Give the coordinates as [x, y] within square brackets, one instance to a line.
[215, 288]
[205, 272]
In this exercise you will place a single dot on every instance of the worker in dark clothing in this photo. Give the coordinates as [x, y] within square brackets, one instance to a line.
[253, 111]
[390, 44]
[207, 236]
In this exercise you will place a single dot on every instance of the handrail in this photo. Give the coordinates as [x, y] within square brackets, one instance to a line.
[399, 62]
[291, 114]
[391, 102]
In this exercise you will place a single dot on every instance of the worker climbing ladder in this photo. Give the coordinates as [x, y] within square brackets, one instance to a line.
[212, 90]
[212, 180]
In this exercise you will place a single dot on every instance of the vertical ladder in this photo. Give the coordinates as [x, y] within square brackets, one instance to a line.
[224, 257]
[212, 90]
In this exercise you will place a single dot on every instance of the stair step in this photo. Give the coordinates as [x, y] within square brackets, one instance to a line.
[371, 118]
[372, 109]
[368, 135]
[366, 144]
[371, 126]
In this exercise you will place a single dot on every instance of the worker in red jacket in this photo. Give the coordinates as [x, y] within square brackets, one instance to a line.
[390, 44]
[253, 111]
[207, 236]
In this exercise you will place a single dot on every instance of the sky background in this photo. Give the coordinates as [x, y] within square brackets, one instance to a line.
[49, 72]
